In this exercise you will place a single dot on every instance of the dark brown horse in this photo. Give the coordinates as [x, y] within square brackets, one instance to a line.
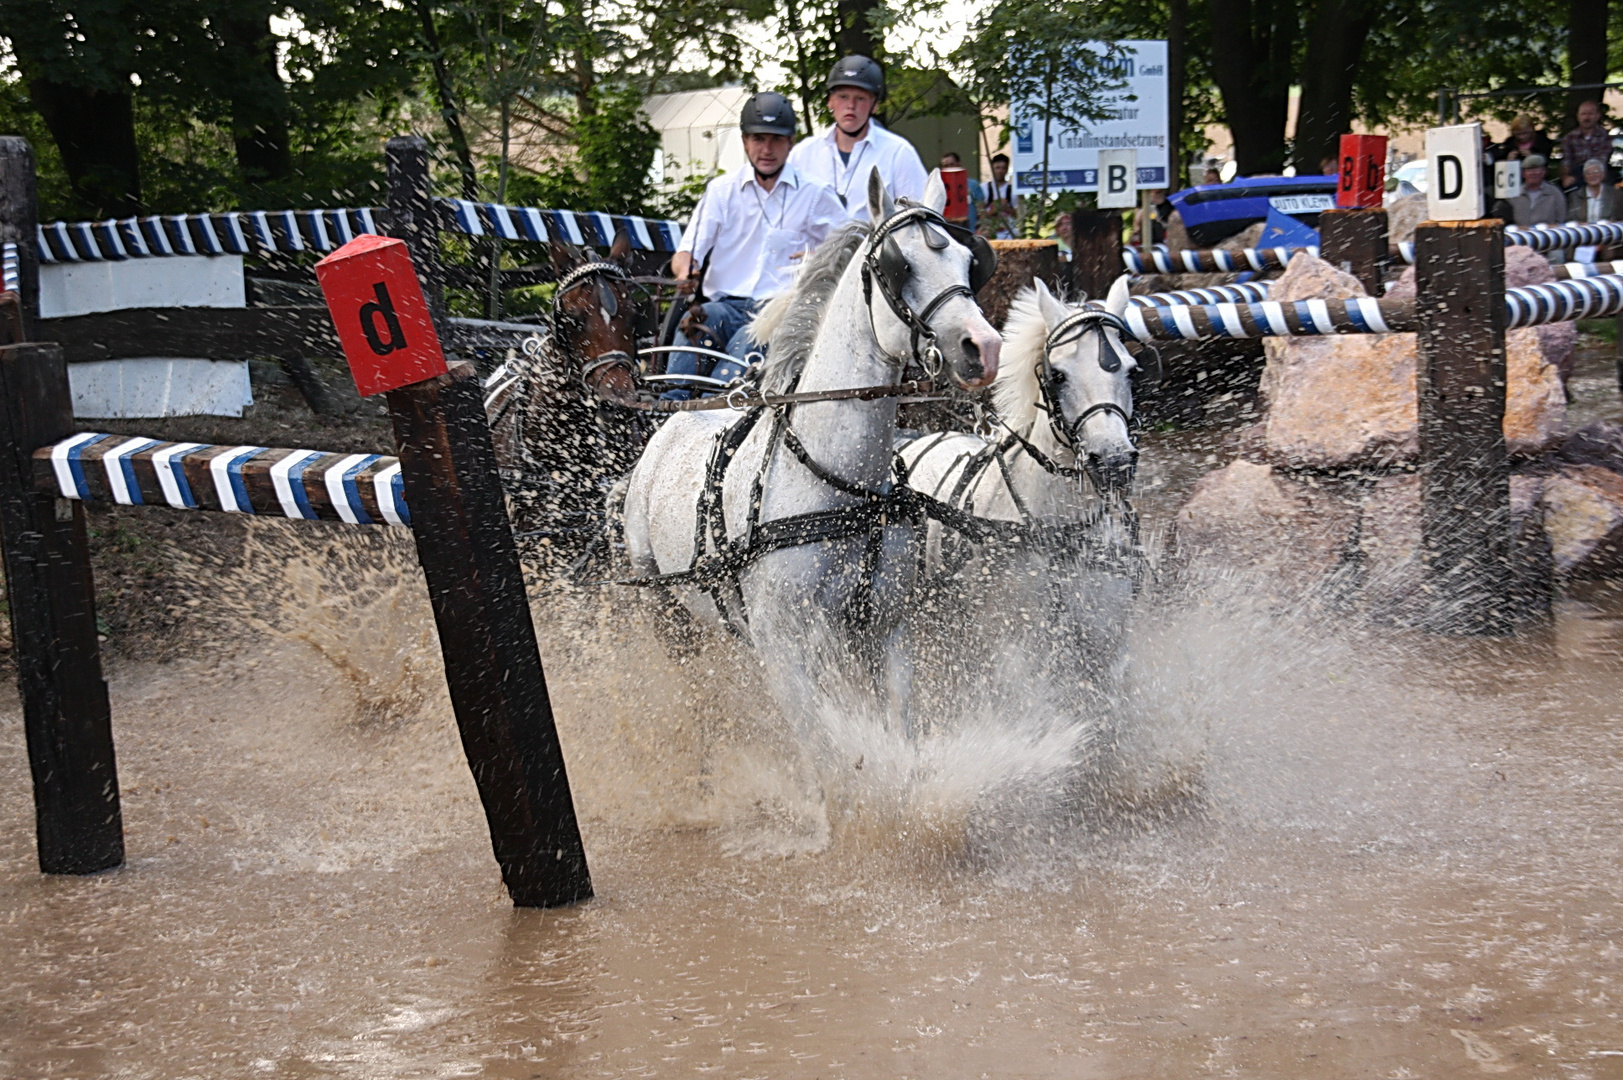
[558, 442]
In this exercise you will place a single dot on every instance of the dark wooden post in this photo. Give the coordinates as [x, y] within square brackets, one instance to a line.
[19, 218]
[415, 218]
[1354, 240]
[1018, 262]
[1465, 519]
[1095, 251]
[53, 623]
[465, 545]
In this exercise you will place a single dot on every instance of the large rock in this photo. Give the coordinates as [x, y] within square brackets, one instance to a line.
[1403, 215]
[1523, 266]
[1291, 532]
[1597, 443]
[1583, 516]
[1339, 401]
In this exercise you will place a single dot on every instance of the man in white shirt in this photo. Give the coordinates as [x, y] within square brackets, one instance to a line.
[748, 234]
[855, 144]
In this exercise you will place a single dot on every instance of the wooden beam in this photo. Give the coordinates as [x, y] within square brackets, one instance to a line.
[1465, 519]
[19, 218]
[1095, 251]
[1354, 240]
[52, 603]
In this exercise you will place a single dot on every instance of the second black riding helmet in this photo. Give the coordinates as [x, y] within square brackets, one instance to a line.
[862, 72]
[767, 114]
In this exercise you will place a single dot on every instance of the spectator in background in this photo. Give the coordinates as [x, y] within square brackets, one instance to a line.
[1524, 141]
[1329, 166]
[1588, 141]
[1538, 204]
[1160, 214]
[1212, 176]
[1000, 210]
[951, 160]
[1594, 199]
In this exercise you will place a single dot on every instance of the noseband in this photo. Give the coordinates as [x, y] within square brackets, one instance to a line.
[873, 269]
[1073, 328]
[581, 275]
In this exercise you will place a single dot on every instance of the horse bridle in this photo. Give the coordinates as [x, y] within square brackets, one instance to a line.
[917, 323]
[1073, 328]
[595, 272]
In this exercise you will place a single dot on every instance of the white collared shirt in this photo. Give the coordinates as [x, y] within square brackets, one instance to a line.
[898, 164]
[756, 239]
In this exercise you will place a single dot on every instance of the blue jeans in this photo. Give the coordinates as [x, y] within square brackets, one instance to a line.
[727, 317]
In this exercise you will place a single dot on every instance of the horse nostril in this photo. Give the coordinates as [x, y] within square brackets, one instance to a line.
[972, 351]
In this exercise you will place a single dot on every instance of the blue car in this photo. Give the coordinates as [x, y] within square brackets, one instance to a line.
[1214, 212]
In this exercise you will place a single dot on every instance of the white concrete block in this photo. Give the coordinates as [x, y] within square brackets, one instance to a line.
[145, 387]
[175, 281]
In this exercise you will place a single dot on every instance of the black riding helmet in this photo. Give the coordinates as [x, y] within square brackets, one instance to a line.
[862, 72]
[767, 114]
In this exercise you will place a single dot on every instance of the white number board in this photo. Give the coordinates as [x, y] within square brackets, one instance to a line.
[1507, 179]
[1454, 173]
[1118, 179]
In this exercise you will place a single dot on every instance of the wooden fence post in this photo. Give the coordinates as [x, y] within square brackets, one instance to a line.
[19, 218]
[415, 218]
[1095, 251]
[465, 545]
[1465, 518]
[52, 600]
[1354, 240]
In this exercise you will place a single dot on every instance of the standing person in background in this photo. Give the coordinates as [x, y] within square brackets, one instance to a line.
[1212, 177]
[1538, 204]
[1524, 141]
[1160, 213]
[856, 144]
[1594, 199]
[1588, 141]
[999, 205]
[951, 160]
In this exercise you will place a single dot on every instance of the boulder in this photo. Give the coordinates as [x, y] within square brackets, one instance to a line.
[1338, 401]
[1523, 266]
[1583, 517]
[1597, 443]
[1402, 215]
[1291, 532]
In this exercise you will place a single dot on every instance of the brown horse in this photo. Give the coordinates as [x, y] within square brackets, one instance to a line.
[558, 442]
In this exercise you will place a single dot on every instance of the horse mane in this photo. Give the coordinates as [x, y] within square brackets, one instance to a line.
[789, 322]
[1025, 332]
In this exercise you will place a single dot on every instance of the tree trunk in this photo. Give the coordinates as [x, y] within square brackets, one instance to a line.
[1586, 53]
[1336, 34]
[1252, 45]
[448, 106]
[854, 31]
[1177, 40]
[259, 108]
[95, 133]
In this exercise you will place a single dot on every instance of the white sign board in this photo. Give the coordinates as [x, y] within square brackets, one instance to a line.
[1118, 179]
[1137, 121]
[1507, 179]
[1454, 173]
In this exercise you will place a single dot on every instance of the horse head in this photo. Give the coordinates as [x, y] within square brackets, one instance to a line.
[1084, 378]
[593, 320]
[927, 277]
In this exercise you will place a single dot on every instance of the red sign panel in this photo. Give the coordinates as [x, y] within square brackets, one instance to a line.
[1363, 171]
[956, 182]
[382, 319]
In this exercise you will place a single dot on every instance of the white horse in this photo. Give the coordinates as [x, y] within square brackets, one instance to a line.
[798, 544]
[1056, 473]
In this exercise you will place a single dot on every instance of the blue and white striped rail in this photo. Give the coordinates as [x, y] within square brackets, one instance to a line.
[591, 229]
[10, 276]
[1554, 237]
[239, 233]
[305, 485]
[1216, 294]
[1529, 305]
[1161, 259]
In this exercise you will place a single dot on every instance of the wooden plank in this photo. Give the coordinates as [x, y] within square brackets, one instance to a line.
[1095, 251]
[492, 662]
[52, 603]
[1464, 468]
[1354, 240]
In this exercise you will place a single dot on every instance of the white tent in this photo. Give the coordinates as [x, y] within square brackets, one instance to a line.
[698, 131]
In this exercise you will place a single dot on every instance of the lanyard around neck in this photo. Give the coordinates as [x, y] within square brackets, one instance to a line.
[850, 168]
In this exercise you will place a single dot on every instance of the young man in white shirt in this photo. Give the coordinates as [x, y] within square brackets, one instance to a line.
[749, 234]
[856, 144]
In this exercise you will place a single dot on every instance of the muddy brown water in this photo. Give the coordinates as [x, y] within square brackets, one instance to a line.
[1317, 849]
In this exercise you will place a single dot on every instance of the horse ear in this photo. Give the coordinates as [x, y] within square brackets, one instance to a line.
[1053, 311]
[565, 257]
[1116, 302]
[620, 248]
[935, 192]
[880, 204]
